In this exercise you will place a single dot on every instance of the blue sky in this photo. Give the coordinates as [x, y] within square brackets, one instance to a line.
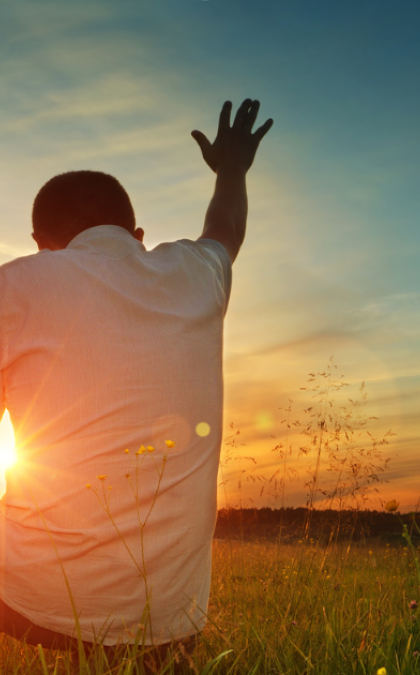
[330, 262]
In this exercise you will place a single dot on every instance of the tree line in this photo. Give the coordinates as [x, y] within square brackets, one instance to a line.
[291, 524]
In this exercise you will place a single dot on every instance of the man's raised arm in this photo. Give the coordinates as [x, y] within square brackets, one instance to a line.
[230, 157]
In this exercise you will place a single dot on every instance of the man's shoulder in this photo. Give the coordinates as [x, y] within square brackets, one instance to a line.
[17, 263]
[26, 263]
[205, 259]
[192, 254]
[208, 250]
[193, 244]
[206, 244]
[41, 272]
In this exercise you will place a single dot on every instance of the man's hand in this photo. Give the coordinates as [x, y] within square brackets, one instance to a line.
[230, 156]
[235, 146]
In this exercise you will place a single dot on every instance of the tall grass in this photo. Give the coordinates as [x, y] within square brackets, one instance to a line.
[342, 608]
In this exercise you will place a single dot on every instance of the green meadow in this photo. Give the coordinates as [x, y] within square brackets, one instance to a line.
[341, 609]
[337, 609]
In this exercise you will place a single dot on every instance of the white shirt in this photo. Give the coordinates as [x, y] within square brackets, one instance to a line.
[106, 347]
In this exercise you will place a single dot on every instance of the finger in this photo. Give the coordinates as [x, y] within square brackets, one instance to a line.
[251, 116]
[202, 141]
[224, 118]
[241, 113]
[261, 132]
[206, 148]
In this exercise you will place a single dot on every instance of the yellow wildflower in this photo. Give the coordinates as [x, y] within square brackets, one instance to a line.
[88, 485]
[170, 444]
[126, 451]
[392, 505]
[141, 450]
[381, 671]
[109, 487]
[150, 448]
[101, 477]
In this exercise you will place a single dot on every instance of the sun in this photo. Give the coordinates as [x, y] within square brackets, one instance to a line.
[8, 454]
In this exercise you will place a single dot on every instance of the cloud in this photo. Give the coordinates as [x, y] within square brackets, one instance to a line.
[83, 101]
[398, 312]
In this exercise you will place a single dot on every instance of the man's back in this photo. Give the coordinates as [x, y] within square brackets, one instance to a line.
[107, 348]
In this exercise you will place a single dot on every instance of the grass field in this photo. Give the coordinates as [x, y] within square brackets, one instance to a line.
[278, 609]
[304, 609]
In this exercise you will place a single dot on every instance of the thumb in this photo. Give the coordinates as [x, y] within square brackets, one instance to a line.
[202, 141]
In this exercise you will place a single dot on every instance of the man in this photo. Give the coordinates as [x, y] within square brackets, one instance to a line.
[109, 355]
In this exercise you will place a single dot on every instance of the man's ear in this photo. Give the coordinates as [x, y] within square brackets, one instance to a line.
[138, 234]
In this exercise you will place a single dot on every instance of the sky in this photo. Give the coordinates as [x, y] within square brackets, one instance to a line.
[328, 276]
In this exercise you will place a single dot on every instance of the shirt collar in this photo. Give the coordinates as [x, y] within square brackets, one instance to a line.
[101, 231]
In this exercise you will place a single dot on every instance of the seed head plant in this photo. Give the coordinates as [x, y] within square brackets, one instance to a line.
[333, 433]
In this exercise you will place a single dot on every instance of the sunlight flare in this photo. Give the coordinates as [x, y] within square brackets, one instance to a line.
[8, 454]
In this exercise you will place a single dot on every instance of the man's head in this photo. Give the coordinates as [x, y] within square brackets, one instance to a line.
[72, 202]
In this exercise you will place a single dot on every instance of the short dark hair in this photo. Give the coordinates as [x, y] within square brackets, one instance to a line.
[74, 201]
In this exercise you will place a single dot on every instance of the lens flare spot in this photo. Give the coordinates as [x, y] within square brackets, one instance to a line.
[202, 429]
[264, 420]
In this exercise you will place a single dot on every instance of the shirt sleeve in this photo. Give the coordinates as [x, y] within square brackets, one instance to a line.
[217, 256]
